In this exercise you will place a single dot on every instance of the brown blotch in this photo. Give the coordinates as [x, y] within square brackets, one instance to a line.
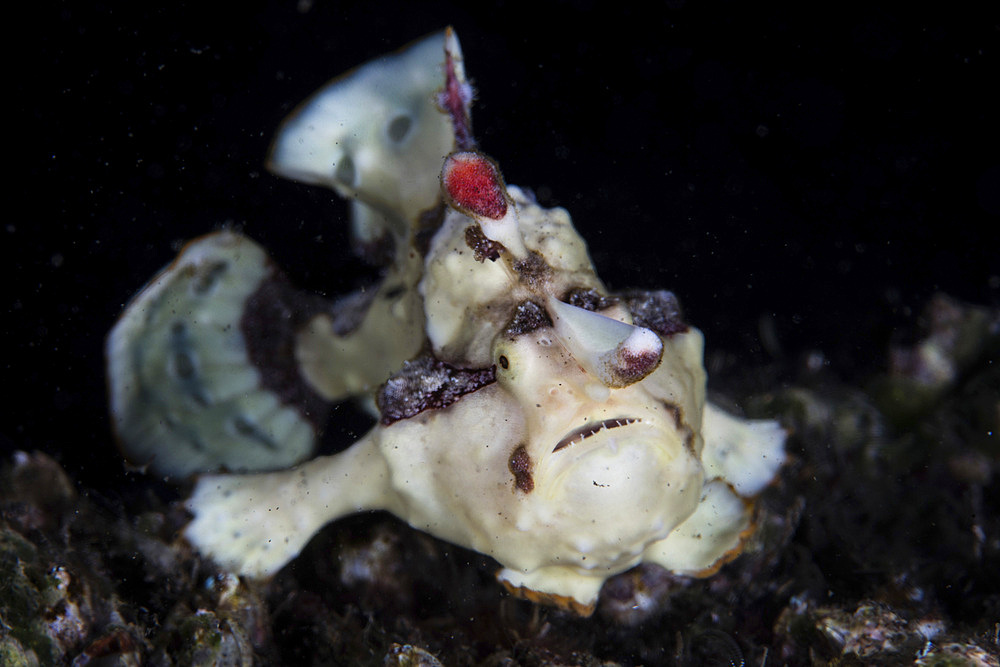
[632, 366]
[271, 317]
[658, 310]
[520, 466]
[425, 384]
[588, 299]
[483, 248]
[681, 426]
[533, 271]
[675, 412]
[528, 316]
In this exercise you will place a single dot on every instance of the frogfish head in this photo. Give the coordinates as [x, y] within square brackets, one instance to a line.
[614, 467]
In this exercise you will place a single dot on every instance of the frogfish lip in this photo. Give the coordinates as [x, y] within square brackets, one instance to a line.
[593, 428]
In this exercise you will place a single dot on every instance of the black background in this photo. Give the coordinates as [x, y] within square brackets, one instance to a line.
[823, 170]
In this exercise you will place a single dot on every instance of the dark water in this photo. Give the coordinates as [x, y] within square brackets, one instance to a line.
[823, 172]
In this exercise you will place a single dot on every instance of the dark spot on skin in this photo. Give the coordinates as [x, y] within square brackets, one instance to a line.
[682, 427]
[209, 277]
[674, 412]
[504, 362]
[482, 247]
[394, 292]
[399, 127]
[633, 366]
[252, 431]
[528, 316]
[533, 271]
[345, 171]
[425, 384]
[520, 465]
[184, 364]
[658, 310]
[588, 299]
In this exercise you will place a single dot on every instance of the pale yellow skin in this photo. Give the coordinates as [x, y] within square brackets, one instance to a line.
[669, 485]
